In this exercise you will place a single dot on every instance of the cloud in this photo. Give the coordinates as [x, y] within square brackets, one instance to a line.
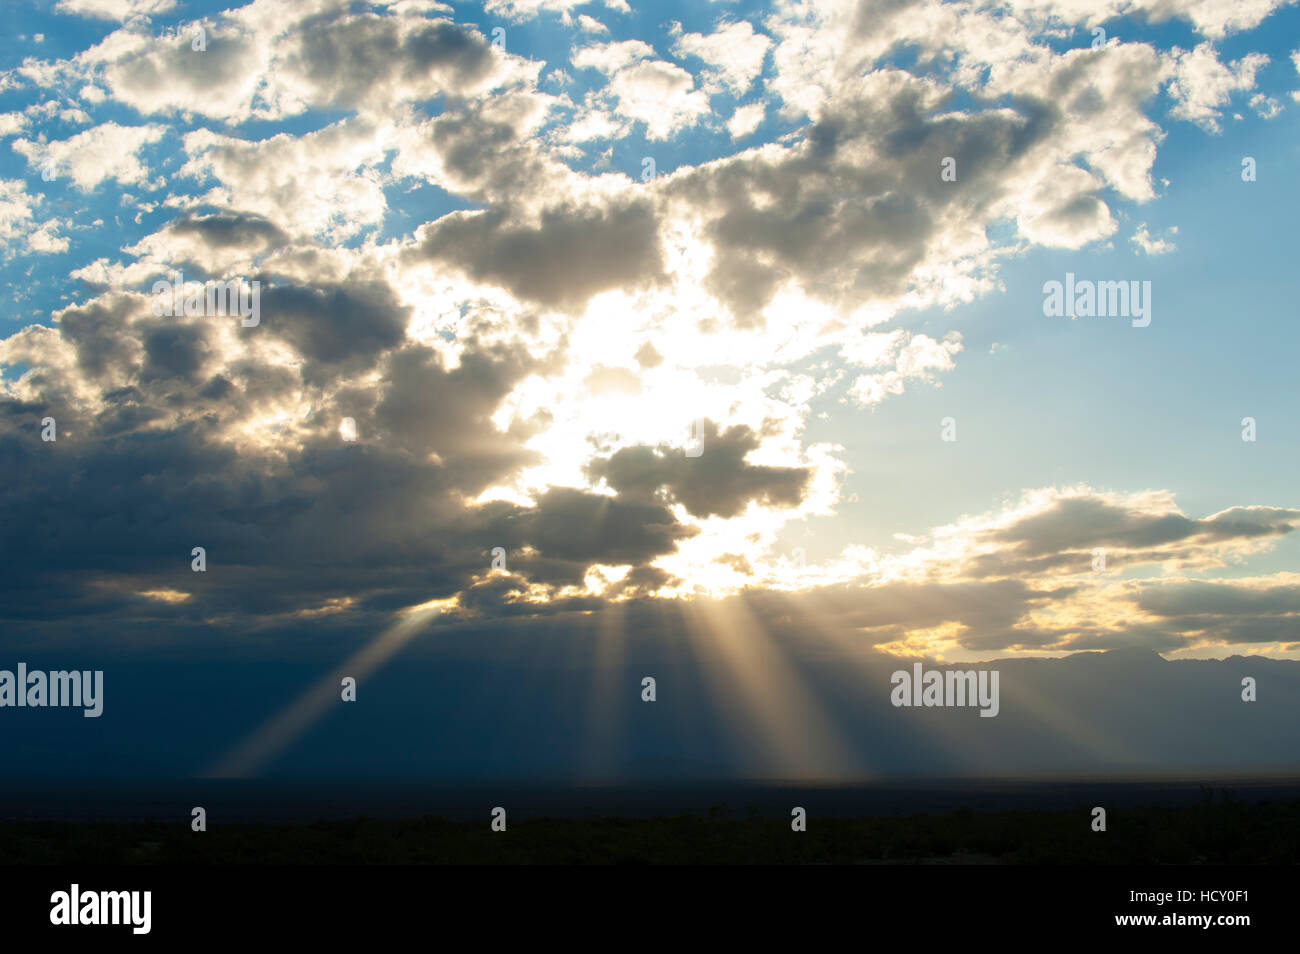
[18, 222]
[1083, 553]
[114, 9]
[644, 89]
[165, 74]
[734, 55]
[323, 183]
[1150, 245]
[745, 120]
[1201, 85]
[375, 61]
[106, 152]
[328, 326]
[530, 9]
[568, 255]
[314, 59]
[718, 482]
[918, 359]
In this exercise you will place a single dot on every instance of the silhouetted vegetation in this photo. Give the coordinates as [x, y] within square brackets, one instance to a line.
[1221, 830]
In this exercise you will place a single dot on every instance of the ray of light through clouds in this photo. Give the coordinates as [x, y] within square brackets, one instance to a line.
[533, 254]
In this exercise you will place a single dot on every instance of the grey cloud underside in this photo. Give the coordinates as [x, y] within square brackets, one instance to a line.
[244, 231]
[717, 483]
[98, 334]
[97, 518]
[336, 328]
[114, 508]
[488, 158]
[175, 66]
[569, 256]
[345, 59]
[853, 210]
[115, 505]
[1221, 610]
[849, 213]
[1077, 525]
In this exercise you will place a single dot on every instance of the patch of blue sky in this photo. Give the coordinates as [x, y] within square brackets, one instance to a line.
[62, 36]
[1162, 35]
[12, 372]
[411, 203]
[257, 129]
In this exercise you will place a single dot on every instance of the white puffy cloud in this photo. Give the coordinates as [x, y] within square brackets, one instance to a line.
[642, 88]
[609, 58]
[17, 216]
[661, 95]
[114, 9]
[1153, 245]
[11, 124]
[734, 54]
[1201, 85]
[104, 152]
[530, 9]
[323, 183]
[919, 359]
[746, 119]
[160, 74]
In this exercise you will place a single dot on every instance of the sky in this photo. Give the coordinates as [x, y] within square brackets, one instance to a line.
[595, 334]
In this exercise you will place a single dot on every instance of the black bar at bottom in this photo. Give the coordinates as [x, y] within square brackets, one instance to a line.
[938, 901]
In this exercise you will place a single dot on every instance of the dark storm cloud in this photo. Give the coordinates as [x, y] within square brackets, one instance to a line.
[1222, 630]
[643, 580]
[155, 454]
[566, 533]
[718, 482]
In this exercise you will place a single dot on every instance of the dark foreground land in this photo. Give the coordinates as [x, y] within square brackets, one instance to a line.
[1222, 829]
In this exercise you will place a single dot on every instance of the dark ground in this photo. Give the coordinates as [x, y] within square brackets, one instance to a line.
[1221, 828]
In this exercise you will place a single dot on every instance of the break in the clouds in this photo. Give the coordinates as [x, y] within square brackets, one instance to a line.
[532, 252]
